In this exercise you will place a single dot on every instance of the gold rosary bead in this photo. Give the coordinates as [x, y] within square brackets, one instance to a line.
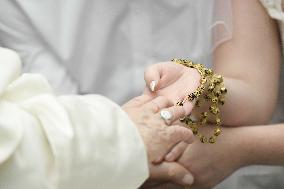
[198, 93]
[182, 119]
[217, 93]
[191, 96]
[212, 139]
[197, 103]
[195, 131]
[206, 97]
[222, 101]
[204, 114]
[202, 87]
[214, 99]
[211, 89]
[214, 110]
[203, 80]
[216, 81]
[223, 90]
[218, 121]
[217, 131]
[188, 121]
[220, 78]
[208, 72]
[203, 139]
[179, 103]
[199, 66]
[203, 120]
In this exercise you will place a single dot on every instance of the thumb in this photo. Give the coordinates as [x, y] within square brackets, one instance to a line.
[171, 171]
[152, 76]
[177, 133]
[188, 106]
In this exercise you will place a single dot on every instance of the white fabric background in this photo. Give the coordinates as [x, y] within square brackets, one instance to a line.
[103, 46]
[66, 142]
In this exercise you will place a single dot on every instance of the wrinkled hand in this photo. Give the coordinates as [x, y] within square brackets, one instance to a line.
[171, 80]
[159, 138]
[210, 164]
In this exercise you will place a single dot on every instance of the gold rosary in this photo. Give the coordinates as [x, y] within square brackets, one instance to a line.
[212, 90]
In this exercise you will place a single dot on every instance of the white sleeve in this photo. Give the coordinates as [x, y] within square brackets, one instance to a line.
[66, 142]
[274, 8]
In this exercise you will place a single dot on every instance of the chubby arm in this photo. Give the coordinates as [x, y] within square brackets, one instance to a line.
[236, 148]
[250, 64]
[264, 144]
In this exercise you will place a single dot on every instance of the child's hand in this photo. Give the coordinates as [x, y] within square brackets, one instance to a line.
[173, 81]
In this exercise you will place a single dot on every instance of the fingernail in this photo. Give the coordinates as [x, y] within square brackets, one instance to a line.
[153, 85]
[188, 179]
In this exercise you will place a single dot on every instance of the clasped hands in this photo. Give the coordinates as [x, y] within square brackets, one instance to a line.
[174, 160]
[165, 141]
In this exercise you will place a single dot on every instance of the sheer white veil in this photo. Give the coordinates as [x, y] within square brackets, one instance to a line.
[221, 22]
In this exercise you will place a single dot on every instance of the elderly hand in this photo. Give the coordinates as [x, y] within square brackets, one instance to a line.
[159, 137]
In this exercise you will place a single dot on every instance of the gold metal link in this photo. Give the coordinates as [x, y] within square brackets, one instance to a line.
[211, 89]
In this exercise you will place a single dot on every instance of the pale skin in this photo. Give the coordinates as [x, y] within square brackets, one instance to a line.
[249, 63]
[159, 137]
[237, 147]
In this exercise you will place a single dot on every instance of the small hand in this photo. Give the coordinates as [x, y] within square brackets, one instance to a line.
[171, 80]
[210, 164]
[159, 137]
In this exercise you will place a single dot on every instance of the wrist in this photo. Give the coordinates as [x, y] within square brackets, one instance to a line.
[247, 142]
[237, 144]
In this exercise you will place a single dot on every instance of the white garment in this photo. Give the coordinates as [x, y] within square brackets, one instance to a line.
[67, 142]
[103, 46]
[94, 46]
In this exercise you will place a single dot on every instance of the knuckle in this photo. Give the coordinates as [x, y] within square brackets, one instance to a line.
[162, 99]
[164, 135]
[137, 99]
[175, 151]
[172, 171]
[154, 106]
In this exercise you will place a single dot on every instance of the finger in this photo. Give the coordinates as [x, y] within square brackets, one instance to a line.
[178, 134]
[188, 106]
[172, 171]
[152, 76]
[138, 101]
[157, 104]
[147, 92]
[166, 185]
[169, 186]
[153, 184]
[172, 114]
[176, 152]
[173, 136]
